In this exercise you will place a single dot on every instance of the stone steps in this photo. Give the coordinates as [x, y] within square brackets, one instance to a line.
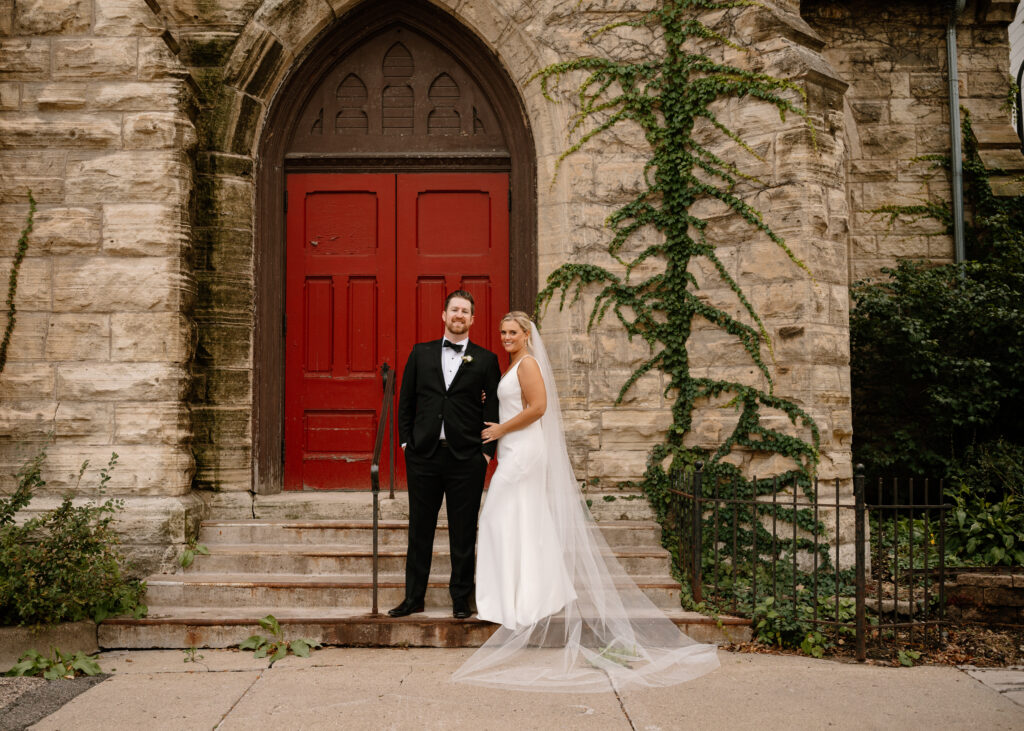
[350, 560]
[296, 590]
[228, 626]
[315, 575]
[390, 532]
[605, 505]
[618, 505]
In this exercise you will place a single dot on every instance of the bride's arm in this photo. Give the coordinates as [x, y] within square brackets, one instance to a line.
[535, 396]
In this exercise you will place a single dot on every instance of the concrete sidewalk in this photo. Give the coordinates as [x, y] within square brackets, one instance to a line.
[410, 689]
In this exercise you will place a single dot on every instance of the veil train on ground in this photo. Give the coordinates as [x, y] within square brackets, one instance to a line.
[612, 635]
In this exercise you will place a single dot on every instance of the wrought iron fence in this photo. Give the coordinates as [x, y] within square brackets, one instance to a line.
[817, 562]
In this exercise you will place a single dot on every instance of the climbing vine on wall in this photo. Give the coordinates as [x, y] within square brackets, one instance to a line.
[669, 95]
[12, 280]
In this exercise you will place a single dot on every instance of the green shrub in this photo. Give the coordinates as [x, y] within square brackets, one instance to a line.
[937, 353]
[986, 533]
[937, 366]
[994, 470]
[986, 525]
[63, 565]
[780, 623]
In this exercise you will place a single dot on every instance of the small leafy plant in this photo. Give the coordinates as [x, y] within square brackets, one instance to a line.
[188, 556]
[192, 654]
[986, 533]
[781, 624]
[276, 647]
[57, 665]
[618, 655]
[907, 658]
[63, 565]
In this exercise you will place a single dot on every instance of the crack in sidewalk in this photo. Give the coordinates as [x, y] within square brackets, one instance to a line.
[237, 701]
[622, 705]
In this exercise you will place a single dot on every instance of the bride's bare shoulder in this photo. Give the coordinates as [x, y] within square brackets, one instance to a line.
[529, 369]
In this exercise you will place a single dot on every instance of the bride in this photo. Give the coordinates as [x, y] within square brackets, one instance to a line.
[571, 619]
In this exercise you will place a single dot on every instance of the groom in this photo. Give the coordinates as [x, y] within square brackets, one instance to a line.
[440, 417]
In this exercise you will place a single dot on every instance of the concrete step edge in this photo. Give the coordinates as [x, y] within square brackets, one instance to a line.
[228, 616]
[361, 551]
[326, 581]
[383, 524]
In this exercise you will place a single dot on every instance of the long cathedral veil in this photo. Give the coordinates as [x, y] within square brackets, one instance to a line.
[612, 635]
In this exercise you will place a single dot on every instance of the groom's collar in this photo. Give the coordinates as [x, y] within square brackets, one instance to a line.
[464, 344]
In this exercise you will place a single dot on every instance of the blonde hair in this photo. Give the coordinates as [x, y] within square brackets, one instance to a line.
[523, 320]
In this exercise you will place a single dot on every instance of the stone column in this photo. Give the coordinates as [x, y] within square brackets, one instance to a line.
[94, 121]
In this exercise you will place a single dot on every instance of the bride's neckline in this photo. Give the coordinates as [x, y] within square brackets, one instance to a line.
[512, 366]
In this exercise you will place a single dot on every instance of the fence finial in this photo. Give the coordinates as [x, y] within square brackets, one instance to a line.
[699, 466]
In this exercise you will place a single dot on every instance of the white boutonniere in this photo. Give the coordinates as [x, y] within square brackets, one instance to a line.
[467, 359]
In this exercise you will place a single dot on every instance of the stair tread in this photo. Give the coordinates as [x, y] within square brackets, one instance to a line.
[368, 523]
[331, 580]
[319, 523]
[314, 615]
[361, 550]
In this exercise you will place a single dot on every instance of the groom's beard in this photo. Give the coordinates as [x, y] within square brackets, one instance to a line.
[458, 328]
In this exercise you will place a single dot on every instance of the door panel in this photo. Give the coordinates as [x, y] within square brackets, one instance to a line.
[452, 234]
[370, 261]
[340, 312]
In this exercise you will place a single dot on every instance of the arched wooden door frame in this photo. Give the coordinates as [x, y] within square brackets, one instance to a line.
[269, 260]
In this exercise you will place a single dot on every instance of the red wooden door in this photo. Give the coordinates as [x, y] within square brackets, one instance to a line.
[370, 260]
[452, 234]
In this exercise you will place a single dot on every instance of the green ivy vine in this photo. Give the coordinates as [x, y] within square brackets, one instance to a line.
[668, 96]
[12, 282]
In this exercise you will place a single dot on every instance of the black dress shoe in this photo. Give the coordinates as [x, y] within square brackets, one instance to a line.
[460, 609]
[406, 608]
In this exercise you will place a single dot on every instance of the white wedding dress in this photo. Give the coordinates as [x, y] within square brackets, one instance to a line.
[572, 619]
[520, 577]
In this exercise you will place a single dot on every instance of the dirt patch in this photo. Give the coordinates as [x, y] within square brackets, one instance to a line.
[983, 646]
[23, 701]
[977, 645]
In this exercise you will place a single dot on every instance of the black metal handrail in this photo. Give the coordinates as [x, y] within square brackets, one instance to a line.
[384, 424]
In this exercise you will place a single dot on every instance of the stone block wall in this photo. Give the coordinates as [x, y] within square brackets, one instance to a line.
[987, 597]
[799, 189]
[95, 122]
[136, 126]
[231, 57]
[894, 58]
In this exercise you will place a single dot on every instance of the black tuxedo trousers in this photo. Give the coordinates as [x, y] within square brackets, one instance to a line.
[453, 471]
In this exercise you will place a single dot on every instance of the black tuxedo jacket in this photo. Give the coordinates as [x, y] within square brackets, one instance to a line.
[423, 403]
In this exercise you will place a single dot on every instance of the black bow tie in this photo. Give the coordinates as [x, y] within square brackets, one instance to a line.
[453, 346]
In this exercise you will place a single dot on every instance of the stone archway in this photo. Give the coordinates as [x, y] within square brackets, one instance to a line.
[334, 43]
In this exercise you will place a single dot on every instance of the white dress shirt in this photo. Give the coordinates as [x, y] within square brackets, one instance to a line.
[451, 361]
